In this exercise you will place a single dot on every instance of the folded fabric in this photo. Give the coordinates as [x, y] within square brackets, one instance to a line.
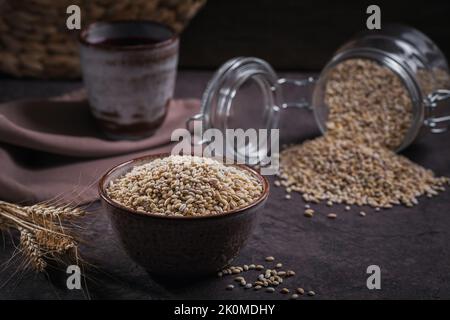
[53, 148]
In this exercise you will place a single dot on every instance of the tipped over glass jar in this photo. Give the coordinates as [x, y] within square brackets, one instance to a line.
[387, 82]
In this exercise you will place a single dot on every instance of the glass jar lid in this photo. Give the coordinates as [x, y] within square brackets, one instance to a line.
[242, 97]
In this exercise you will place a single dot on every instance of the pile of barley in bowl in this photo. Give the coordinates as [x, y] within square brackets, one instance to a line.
[354, 163]
[185, 186]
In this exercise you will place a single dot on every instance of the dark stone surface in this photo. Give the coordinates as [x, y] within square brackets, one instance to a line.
[411, 245]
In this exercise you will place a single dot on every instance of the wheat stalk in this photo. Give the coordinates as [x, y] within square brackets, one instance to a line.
[31, 249]
[44, 235]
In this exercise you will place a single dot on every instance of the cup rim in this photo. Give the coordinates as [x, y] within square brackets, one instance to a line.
[104, 196]
[82, 38]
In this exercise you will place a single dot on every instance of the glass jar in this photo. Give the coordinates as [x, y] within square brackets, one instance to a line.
[408, 53]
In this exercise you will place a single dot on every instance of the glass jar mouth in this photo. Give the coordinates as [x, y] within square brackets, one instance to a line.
[219, 97]
[385, 59]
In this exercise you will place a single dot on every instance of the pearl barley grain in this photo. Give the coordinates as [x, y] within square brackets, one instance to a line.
[354, 163]
[185, 186]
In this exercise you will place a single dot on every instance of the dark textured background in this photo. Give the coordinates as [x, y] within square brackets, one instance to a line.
[411, 245]
[297, 34]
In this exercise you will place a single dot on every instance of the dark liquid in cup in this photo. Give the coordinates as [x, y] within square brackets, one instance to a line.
[128, 41]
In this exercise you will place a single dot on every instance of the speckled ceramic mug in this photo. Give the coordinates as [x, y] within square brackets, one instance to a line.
[129, 70]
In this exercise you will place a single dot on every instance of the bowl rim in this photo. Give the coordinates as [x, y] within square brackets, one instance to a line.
[104, 196]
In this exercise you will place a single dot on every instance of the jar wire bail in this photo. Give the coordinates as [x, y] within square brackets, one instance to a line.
[437, 124]
[303, 103]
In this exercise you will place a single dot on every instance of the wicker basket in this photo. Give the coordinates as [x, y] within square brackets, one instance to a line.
[35, 42]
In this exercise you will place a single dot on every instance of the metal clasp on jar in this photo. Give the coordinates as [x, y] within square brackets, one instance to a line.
[436, 124]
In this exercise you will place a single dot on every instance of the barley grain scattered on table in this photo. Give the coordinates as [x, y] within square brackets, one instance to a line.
[332, 216]
[309, 213]
[370, 112]
[230, 287]
[311, 293]
[270, 259]
[300, 290]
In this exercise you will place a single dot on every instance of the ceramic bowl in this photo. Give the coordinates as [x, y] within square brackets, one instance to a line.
[180, 246]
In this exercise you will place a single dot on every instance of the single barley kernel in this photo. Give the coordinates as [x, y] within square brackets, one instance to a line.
[309, 213]
[377, 209]
[248, 286]
[307, 206]
[362, 214]
[300, 290]
[269, 259]
[259, 267]
[288, 190]
[284, 290]
[252, 266]
[245, 267]
[258, 287]
[294, 296]
[243, 282]
[278, 265]
[277, 183]
[311, 293]
[219, 274]
[287, 197]
[270, 289]
[230, 287]
[290, 273]
[332, 216]
[239, 279]
[281, 273]
[347, 208]
[329, 203]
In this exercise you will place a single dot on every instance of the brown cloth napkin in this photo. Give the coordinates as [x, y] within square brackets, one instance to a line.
[53, 148]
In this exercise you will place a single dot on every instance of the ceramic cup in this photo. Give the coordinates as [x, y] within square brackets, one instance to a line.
[129, 71]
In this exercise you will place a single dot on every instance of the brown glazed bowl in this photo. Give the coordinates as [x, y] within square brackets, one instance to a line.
[180, 246]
